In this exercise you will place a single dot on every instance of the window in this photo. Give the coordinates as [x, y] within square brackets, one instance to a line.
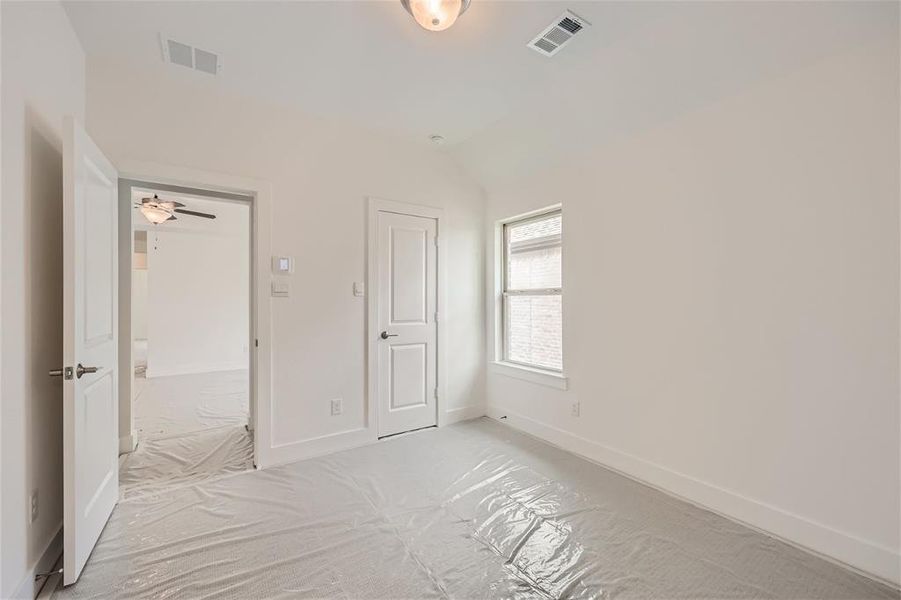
[533, 292]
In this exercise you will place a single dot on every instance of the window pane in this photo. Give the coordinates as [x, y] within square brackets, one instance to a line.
[534, 269]
[551, 226]
[535, 330]
[534, 254]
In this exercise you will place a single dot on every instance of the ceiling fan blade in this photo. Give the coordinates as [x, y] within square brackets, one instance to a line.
[195, 213]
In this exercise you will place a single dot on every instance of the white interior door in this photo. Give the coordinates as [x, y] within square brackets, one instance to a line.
[407, 331]
[90, 342]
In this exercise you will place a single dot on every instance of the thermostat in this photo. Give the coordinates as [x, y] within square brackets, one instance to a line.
[282, 265]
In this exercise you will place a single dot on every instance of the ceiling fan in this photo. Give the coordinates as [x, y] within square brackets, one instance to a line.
[159, 211]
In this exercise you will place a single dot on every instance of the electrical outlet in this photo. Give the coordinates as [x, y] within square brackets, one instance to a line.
[576, 409]
[336, 407]
[34, 506]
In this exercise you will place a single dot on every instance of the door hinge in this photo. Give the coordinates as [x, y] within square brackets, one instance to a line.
[256, 343]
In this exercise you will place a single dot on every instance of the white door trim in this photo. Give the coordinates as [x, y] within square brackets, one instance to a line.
[376, 205]
[261, 324]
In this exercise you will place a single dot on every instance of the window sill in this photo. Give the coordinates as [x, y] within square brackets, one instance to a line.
[549, 378]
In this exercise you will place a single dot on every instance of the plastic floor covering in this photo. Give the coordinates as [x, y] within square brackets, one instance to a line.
[475, 510]
[159, 464]
[191, 429]
[167, 406]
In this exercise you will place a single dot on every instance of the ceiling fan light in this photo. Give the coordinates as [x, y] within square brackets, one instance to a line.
[435, 15]
[155, 214]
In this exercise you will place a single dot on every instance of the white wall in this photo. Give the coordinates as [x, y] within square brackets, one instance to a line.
[139, 304]
[42, 80]
[139, 286]
[731, 277]
[320, 172]
[198, 293]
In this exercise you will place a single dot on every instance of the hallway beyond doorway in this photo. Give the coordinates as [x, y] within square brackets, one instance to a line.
[191, 428]
[167, 406]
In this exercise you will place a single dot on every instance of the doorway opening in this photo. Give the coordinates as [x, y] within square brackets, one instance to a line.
[190, 342]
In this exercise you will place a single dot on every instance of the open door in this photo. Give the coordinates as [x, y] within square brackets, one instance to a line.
[90, 346]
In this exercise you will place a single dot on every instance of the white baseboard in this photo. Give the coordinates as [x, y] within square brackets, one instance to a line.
[150, 373]
[128, 443]
[52, 583]
[345, 440]
[28, 587]
[860, 555]
[462, 413]
[311, 448]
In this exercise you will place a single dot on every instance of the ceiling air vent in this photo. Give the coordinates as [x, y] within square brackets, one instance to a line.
[178, 53]
[558, 34]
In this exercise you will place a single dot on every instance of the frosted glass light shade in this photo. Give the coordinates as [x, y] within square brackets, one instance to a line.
[154, 214]
[435, 15]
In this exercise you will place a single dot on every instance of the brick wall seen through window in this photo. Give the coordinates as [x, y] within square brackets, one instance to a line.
[533, 289]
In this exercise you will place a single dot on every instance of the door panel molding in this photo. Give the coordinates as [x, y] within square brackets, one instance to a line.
[405, 354]
[400, 311]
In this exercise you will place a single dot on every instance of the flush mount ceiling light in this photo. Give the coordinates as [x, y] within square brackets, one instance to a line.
[435, 15]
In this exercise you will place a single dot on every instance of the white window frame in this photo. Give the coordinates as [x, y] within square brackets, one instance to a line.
[501, 364]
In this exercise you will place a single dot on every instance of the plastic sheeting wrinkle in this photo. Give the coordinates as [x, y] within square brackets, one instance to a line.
[395, 531]
[542, 554]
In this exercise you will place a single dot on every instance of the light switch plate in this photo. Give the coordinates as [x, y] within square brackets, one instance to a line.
[280, 289]
[359, 289]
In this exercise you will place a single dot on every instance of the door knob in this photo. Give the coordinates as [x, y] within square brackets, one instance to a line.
[385, 335]
[80, 370]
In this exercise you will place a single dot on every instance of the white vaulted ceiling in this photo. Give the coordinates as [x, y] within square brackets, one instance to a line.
[369, 64]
